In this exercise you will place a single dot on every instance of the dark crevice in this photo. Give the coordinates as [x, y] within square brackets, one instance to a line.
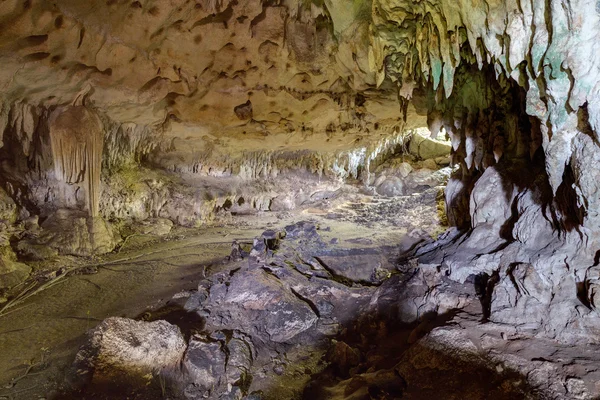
[306, 300]
[570, 213]
[216, 18]
[484, 289]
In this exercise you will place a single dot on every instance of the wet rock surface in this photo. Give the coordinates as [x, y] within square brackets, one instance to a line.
[282, 324]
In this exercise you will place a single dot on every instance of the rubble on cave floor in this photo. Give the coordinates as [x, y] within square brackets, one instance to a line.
[79, 292]
[298, 318]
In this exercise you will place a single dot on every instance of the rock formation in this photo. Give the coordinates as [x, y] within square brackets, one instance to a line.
[76, 139]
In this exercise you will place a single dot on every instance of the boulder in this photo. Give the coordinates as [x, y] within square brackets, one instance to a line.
[8, 208]
[426, 147]
[258, 303]
[121, 349]
[154, 226]
[217, 366]
[72, 232]
[391, 186]
[30, 250]
[204, 362]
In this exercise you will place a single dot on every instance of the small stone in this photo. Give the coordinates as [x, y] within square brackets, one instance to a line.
[279, 370]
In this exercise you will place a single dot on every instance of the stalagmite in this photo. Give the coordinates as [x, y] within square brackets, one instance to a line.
[77, 139]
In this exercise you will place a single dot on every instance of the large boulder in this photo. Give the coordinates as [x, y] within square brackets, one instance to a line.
[427, 148]
[122, 349]
[391, 186]
[217, 366]
[258, 303]
[72, 232]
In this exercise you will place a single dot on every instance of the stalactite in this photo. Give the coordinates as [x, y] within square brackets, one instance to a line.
[126, 144]
[77, 139]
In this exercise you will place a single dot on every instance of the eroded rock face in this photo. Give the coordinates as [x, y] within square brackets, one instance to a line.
[12, 272]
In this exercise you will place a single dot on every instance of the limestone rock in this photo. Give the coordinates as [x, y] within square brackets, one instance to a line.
[204, 362]
[360, 268]
[521, 298]
[30, 250]
[72, 232]
[121, 349]
[12, 272]
[8, 208]
[253, 296]
[426, 148]
[217, 366]
[390, 187]
[154, 226]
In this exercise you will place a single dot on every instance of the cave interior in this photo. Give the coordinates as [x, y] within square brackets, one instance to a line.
[299, 199]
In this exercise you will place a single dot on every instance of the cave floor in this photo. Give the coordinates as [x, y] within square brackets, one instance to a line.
[451, 355]
[39, 338]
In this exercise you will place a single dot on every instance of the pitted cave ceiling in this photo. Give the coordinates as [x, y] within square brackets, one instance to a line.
[454, 145]
[200, 73]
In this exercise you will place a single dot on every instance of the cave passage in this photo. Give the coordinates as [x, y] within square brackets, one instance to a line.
[272, 200]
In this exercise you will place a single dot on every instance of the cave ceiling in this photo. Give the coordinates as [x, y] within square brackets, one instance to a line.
[211, 66]
[273, 73]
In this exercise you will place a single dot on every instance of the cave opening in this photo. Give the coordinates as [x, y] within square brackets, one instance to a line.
[299, 200]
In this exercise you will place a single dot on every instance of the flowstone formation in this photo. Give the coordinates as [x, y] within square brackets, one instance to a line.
[76, 140]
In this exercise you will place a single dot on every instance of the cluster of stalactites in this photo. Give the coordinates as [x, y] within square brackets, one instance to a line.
[77, 136]
[485, 119]
[550, 48]
[480, 140]
[127, 143]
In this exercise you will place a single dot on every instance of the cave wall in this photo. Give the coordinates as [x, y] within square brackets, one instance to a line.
[229, 77]
[249, 89]
[548, 48]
